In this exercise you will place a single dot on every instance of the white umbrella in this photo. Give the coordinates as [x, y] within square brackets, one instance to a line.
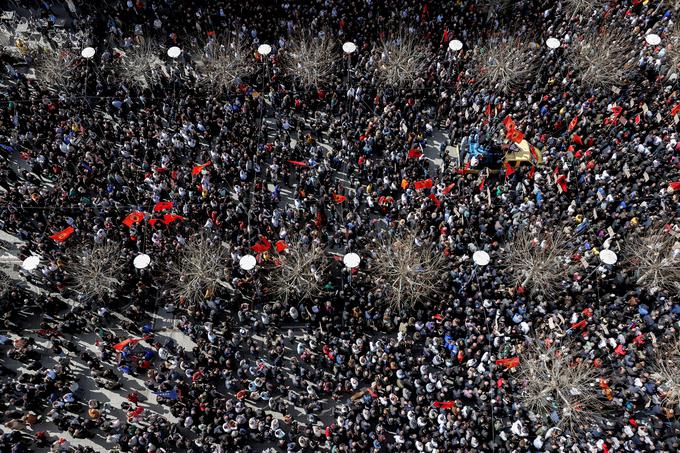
[264, 49]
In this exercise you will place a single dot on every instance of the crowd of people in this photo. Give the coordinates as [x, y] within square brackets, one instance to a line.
[342, 371]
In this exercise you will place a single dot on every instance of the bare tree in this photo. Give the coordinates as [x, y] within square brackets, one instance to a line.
[401, 61]
[583, 7]
[407, 269]
[654, 256]
[556, 384]
[141, 66]
[667, 371]
[6, 284]
[55, 69]
[298, 273]
[539, 263]
[222, 64]
[311, 58]
[504, 65]
[603, 60]
[95, 271]
[199, 268]
[673, 50]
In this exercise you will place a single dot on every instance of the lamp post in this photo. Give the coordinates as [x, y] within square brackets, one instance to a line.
[351, 261]
[653, 39]
[87, 53]
[482, 259]
[349, 48]
[553, 43]
[173, 52]
[247, 262]
[30, 263]
[263, 50]
[454, 46]
[141, 261]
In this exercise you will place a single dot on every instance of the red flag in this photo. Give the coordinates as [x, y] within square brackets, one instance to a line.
[339, 198]
[637, 119]
[508, 123]
[169, 218]
[675, 110]
[297, 162]
[137, 412]
[414, 153]
[532, 172]
[153, 222]
[448, 188]
[562, 182]
[133, 218]
[281, 246]
[163, 205]
[262, 245]
[673, 186]
[199, 168]
[509, 170]
[130, 341]
[617, 111]
[508, 363]
[577, 139]
[438, 317]
[579, 325]
[573, 123]
[63, 234]
[515, 136]
[443, 404]
[481, 186]
[424, 184]
[434, 200]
